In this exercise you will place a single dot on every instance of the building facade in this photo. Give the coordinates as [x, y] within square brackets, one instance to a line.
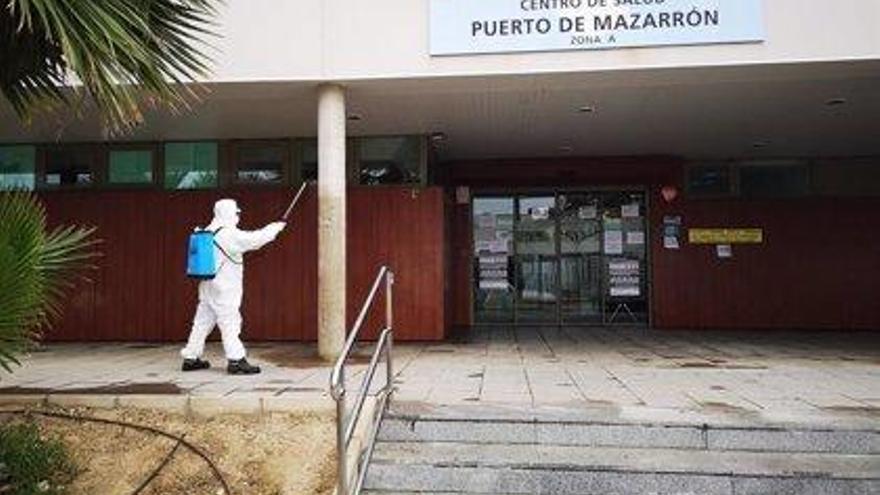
[704, 164]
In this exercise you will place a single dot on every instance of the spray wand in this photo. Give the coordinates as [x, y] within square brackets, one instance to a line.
[295, 200]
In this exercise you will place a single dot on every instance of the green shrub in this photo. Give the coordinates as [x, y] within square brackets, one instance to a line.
[33, 465]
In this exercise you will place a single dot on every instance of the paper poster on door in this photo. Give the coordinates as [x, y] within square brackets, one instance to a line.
[635, 238]
[613, 242]
[624, 278]
[493, 284]
[630, 210]
[539, 213]
[588, 212]
[493, 272]
[499, 246]
[486, 220]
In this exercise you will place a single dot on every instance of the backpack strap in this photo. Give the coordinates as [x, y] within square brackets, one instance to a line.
[230, 258]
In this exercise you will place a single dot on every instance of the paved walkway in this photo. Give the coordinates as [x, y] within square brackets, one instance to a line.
[773, 374]
[143, 374]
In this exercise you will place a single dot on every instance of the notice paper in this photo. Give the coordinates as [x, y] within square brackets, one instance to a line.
[635, 238]
[613, 242]
[630, 211]
[499, 246]
[587, 212]
[493, 284]
[539, 213]
[670, 242]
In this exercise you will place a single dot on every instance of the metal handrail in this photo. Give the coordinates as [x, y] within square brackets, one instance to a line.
[345, 427]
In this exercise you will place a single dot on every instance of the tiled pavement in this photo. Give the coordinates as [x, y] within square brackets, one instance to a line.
[583, 367]
[763, 373]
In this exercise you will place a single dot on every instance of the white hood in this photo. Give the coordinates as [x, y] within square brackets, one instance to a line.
[225, 215]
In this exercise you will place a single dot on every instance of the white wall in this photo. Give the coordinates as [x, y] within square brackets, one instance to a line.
[269, 40]
[364, 39]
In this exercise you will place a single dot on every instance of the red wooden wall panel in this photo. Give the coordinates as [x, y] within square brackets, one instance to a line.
[139, 291]
[817, 268]
[79, 307]
[403, 228]
[461, 261]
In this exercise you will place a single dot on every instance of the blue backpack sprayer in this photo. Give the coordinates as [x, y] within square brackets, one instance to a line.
[201, 262]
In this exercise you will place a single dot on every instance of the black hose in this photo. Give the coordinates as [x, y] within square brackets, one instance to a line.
[150, 429]
[158, 469]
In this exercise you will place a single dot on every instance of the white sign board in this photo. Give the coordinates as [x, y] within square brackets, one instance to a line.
[508, 26]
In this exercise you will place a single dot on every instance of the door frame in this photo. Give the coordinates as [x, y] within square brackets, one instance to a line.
[514, 193]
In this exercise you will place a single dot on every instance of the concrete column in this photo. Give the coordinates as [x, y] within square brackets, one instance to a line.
[331, 220]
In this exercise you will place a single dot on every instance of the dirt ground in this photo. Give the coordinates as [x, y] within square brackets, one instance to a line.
[289, 454]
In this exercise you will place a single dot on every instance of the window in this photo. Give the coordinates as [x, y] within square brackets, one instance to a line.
[394, 160]
[846, 177]
[17, 164]
[260, 163]
[70, 167]
[131, 167]
[709, 180]
[308, 161]
[773, 181]
[190, 165]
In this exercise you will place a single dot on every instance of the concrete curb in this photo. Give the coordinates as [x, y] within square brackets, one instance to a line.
[629, 415]
[190, 406]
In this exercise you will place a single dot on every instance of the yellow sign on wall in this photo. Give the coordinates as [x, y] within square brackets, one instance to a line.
[726, 236]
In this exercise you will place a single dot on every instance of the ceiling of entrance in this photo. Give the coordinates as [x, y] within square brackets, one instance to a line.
[769, 111]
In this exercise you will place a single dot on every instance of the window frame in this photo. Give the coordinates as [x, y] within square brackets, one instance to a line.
[825, 185]
[350, 159]
[97, 168]
[802, 165]
[156, 150]
[733, 180]
[38, 157]
[220, 165]
[226, 166]
[235, 147]
[298, 147]
[354, 176]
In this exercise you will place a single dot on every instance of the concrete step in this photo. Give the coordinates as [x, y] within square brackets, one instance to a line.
[480, 468]
[386, 492]
[712, 437]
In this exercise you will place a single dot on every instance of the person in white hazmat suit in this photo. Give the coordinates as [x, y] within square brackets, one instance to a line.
[220, 297]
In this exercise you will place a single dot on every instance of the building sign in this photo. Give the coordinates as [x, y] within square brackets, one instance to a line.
[726, 236]
[509, 26]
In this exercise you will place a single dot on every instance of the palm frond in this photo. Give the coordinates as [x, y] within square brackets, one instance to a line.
[123, 54]
[36, 268]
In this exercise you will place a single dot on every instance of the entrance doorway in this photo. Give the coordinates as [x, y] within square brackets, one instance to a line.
[564, 257]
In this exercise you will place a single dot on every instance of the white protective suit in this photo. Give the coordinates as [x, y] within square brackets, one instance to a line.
[220, 297]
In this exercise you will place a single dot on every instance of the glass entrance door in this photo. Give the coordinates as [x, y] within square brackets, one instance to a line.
[493, 220]
[536, 260]
[568, 258]
[580, 258]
